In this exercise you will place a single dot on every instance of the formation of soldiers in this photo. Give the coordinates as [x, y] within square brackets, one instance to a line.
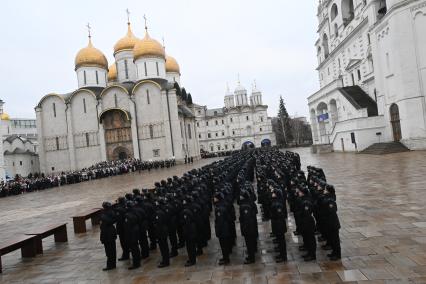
[176, 213]
[36, 182]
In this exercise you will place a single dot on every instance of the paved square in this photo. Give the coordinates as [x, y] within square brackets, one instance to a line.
[382, 208]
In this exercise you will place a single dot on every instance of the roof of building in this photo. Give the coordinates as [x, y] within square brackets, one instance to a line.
[13, 137]
[360, 99]
[185, 111]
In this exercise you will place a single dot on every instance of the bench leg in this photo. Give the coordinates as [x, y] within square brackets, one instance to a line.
[29, 249]
[79, 226]
[61, 235]
[96, 220]
[39, 245]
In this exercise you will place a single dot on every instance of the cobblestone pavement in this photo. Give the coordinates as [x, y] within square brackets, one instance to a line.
[382, 208]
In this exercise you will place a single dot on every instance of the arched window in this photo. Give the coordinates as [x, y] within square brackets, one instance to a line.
[334, 12]
[84, 77]
[97, 77]
[151, 131]
[336, 30]
[325, 45]
[348, 12]
[126, 69]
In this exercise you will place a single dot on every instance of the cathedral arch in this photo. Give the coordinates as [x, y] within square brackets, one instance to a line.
[144, 82]
[48, 96]
[334, 12]
[111, 87]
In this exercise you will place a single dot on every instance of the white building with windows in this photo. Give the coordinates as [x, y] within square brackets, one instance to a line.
[242, 122]
[127, 110]
[19, 147]
[372, 72]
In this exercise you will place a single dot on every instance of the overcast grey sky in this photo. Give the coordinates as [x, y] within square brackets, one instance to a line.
[271, 41]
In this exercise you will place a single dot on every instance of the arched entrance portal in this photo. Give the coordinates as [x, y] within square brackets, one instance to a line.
[121, 153]
[396, 123]
[118, 134]
[247, 145]
[265, 143]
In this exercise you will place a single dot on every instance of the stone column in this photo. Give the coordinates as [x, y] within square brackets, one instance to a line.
[70, 139]
[102, 143]
[135, 138]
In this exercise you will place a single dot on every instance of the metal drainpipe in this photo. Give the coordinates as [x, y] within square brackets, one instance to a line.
[170, 123]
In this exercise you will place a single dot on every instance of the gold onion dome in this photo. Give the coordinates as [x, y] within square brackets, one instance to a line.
[148, 47]
[5, 116]
[172, 65]
[112, 73]
[90, 56]
[128, 42]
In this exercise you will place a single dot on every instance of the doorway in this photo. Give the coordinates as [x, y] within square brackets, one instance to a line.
[395, 122]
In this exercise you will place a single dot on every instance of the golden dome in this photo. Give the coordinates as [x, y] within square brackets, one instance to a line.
[148, 47]
[172, 65]
[90, 56]
[112, 73]
[5, 116]
[127, 42]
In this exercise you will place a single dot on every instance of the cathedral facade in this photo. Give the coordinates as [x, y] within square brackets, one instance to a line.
[243, 122]
[130, 109]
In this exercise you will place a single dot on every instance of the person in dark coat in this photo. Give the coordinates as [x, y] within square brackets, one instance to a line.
[332, 223]
[120, 211]
[278, 224]
[162, 232]
[223, 228]
[307, 224]
[109, 235]
[248, 225]
[132, 233]
[189, 230]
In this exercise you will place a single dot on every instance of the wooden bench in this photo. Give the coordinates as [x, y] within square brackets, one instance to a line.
[27, 244]
[80, 220]
[59, 232]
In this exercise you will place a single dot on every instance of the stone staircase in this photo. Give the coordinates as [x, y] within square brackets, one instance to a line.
[385, 148]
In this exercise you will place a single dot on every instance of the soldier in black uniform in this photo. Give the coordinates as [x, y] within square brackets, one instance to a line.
[248, 225]
[332, 223]
[189, 230]
[223, 227]
[120, 211]
[131, 232]
[109, 235]
[278, 224]
[161, 231]
[307, 224]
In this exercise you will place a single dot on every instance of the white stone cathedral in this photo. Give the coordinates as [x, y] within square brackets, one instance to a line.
[136, 108]
[127, 110]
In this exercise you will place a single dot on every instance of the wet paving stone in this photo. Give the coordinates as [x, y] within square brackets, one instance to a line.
[382, 209]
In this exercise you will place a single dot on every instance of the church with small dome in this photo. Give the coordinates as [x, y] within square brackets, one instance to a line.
[132, 108]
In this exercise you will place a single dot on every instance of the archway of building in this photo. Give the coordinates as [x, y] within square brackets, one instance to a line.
[395, 122]
[247, 145]
[265, 143]
[322, 113]
[334, 116]
[118, 134]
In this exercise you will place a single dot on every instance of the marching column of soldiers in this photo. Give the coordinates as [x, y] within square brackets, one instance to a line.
[176, 212]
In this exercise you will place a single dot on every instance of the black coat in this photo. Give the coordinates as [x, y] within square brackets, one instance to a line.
[248, 220]
[108, 231]
[278, 215]
[222, 221]
[160, 223]
[331, 219]
[189, 227]
[131, 227]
